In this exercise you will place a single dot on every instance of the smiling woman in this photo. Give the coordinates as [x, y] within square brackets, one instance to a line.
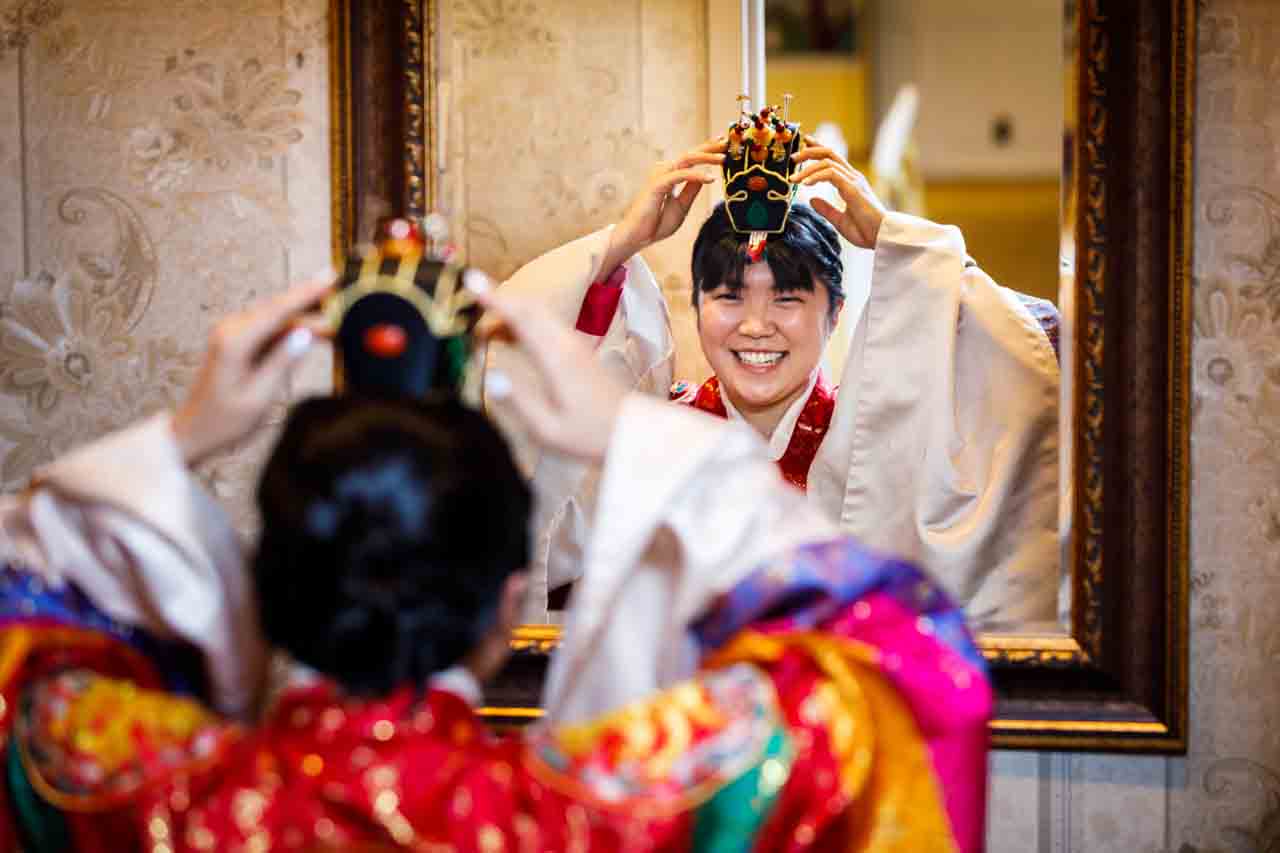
[764, 326]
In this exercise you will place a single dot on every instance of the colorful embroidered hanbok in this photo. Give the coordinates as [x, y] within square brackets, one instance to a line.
[809, 695]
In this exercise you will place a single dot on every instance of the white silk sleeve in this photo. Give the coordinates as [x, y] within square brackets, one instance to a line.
[688, 505]
[943, 448]
[637, 350]
[125, 522]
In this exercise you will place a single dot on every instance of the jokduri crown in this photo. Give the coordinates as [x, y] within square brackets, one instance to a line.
[757, 171]
[403, 319]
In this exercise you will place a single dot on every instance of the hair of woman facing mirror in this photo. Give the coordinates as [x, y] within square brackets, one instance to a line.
[394, 531]
[389, 531]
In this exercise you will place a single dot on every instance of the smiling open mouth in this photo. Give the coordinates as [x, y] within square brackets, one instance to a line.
[756, 358]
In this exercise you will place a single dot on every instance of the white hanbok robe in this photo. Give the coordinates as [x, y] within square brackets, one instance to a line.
[124, 520]
[943, 448]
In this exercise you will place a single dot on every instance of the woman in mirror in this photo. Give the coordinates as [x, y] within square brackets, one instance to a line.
[938, 441]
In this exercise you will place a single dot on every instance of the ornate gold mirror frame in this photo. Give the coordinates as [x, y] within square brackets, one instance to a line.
[1117, 680]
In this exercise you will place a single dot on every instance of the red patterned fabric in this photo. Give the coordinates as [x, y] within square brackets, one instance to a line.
[810, 429]
[35, 650]
[423, 772]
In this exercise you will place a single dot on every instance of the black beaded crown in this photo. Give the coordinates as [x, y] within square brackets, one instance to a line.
[757, 170]
[402, 317]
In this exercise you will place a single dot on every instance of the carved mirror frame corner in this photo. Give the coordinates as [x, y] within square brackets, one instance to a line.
[1117, 681]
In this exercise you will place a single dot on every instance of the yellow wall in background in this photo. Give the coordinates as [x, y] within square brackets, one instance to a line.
[825, 89]
[1010, 228]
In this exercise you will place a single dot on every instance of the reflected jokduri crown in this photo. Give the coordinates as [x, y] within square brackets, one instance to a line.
[757, 171]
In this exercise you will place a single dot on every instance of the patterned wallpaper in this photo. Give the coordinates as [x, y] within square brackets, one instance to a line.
[559, 111]
[1225, 795]
[162, 162]
[1230, 799]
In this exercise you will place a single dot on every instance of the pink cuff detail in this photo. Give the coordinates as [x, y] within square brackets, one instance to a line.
[601, 303]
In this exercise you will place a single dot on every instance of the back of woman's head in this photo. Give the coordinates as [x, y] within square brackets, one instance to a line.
[388, 531]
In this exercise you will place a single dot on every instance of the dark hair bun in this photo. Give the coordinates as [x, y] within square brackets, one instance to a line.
[388, 530]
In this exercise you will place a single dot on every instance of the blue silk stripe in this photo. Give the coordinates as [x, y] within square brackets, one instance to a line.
[27, 599]
[815, 582]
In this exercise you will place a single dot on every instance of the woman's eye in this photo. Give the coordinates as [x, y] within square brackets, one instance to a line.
[789, 300]
[727, 296]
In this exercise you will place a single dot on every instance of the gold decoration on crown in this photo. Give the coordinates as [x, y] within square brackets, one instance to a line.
[442, 308]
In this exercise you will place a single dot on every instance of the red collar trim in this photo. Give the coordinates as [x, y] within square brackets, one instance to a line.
[811, 427]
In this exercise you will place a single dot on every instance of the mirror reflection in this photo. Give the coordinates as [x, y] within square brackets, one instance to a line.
[896, 342]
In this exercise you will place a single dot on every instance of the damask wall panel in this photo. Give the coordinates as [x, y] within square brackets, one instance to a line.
[157, 140]
[1225, 795]
[10, 171]
[306, 185]
[1231, 796]
[560, 110]
[1111, 805]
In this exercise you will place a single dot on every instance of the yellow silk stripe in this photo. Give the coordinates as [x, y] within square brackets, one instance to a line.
[885, 769]
[15, 645]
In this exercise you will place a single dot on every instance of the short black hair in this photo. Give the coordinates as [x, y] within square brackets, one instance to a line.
[807, 249]
[388, 530]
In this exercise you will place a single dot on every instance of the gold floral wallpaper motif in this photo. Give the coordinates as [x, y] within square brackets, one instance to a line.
[1225, 794]
[161, 164]
[1229, 798]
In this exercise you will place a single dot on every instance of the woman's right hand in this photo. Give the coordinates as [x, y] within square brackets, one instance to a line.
[658, 211]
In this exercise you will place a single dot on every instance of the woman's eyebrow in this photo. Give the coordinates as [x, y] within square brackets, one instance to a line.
[793, 286]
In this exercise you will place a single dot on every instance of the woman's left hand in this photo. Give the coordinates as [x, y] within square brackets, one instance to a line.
[863, 213]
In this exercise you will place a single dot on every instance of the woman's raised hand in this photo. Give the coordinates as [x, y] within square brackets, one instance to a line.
[249, 359]
[859, 222]
[659, 209]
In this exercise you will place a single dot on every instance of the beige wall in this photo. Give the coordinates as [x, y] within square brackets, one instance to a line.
[973, 62]
[194, 142]
[1225, 795]
[161, 162]
[559, 111]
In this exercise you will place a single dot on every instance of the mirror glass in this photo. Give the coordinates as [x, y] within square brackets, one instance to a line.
[550, 115]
